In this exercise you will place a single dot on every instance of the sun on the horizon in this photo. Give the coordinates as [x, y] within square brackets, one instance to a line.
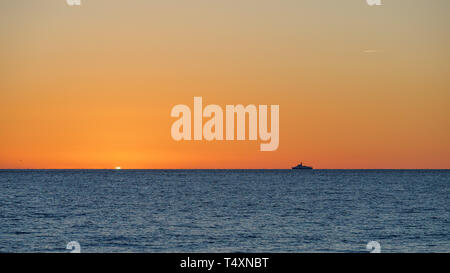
[118, 168]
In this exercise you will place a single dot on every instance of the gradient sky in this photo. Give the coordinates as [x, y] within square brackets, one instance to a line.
[93, 86]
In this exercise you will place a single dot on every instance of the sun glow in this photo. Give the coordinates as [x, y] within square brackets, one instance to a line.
[118, 168]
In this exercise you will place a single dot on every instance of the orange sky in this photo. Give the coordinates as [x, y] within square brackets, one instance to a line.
[93, 86]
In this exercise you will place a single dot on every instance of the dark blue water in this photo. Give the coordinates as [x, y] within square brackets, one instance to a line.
[224, 210]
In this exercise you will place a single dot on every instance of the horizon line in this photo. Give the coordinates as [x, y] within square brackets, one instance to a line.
[187, 169]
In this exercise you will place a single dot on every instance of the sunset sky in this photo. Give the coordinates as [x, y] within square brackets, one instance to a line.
[92, 86]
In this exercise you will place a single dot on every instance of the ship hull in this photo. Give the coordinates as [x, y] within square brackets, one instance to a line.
[302, 168]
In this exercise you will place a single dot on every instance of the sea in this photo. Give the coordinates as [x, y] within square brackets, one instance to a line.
[218, 211]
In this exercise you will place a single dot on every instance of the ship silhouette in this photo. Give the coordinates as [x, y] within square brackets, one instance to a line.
[302, 167]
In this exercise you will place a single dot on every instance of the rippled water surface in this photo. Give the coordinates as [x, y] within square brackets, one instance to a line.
[224, 210]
